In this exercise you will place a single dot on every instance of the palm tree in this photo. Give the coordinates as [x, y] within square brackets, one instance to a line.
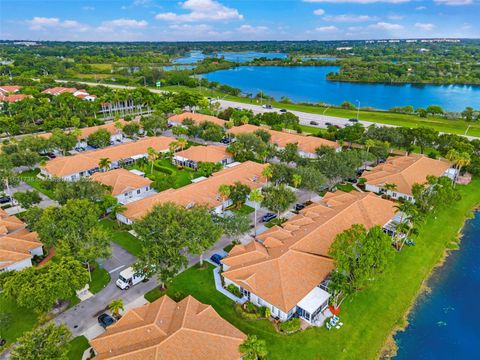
[267, 172]
[152, 156]
[253, 348]
[182, 143]
[390, 187]
[104, 164]
[224, 191]
[296, 180]
[255, 197]
[173, 147]
[463, 160]
[369, 143]
[116, 306]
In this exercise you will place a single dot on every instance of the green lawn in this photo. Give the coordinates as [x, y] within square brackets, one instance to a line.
[100, 279]
[122, 237]
[381, 117]
[244, 209]
[30, 178]
[370, 316]
[20, 320]
[345, 187]
[77, 347]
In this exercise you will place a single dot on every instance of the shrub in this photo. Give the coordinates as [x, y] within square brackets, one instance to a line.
[234, 290]
[163, 169]
[290, 326]
[249, 307]
[245, 315]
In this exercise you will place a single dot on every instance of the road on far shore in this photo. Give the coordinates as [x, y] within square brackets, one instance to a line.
[322, 121]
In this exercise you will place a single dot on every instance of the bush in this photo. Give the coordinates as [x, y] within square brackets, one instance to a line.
[250, 308]
[163, 169]
[234, 290]
[245, 315]
[290, 326]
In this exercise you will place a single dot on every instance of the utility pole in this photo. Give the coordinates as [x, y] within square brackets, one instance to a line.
[358, 109]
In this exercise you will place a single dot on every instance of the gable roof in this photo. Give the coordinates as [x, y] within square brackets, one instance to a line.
[121, 180]
[87, 131]
[11, 223]
[4, 89]
[68, 165]
[306, 144]
[204, 192]
[286, 262]
[165, 329]
[12, 98]
[210, 153]
[196, 118]
[404, 171]
[59, 90]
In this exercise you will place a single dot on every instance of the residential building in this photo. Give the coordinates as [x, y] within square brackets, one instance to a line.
[17, 244]
[203, 191]
[9, 89]
[286, 268]
[165, 329]
[86, 163]
[307, 145]
[82, 94]
[197, 118]
[196, 154]
[126, 185]
[13, 98]
[403, 172]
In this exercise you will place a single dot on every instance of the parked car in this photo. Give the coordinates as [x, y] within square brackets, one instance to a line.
[105, 320]
[313, 123]
[4, 199]
[328, 123]
[51, 155]
[337, 126]
[299, 207]
[267, 106]
[268, 216]
[226, 140]
[283, 110]
[238, 108]
[216, 258]
[353, 120]
[346, 124]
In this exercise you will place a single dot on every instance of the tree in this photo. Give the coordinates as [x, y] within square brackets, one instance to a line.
[43, 343]
[239, 193]
[267, 172]
[104, 164]
[155, 123]
[28, 198]
[116, 306]
[235, 224]
[289, 153]
[311, 178]
[84, 188]
[425, 137]
[152, 156]
[256, 197]
[253, 348]
[182, 143]
[224, 191]
[131, 129]
[74, 230]
[208, 168]
[63, 141]
[99, 139]
[296, 180]
[278, 198]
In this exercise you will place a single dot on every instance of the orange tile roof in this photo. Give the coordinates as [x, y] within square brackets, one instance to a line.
[9, 88]
[196, 118]
[404, 171]
[3, 213]
[204, 192]
[306, 144]
[87, 131]
[121, 180]
[210, 153]
[59, 90]
[165, 329]
[68, 165]
[10, 223]
[285, 263]
[13, 97]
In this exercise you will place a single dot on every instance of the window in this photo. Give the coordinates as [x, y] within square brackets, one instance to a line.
[138, 191]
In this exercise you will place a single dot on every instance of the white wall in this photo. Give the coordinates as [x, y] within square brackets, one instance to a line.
[19, 265]
[122, 198]
[123, 219]
[37, 251]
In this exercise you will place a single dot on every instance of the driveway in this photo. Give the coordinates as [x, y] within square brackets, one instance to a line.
[22, 187]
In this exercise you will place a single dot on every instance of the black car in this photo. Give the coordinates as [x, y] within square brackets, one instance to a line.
[226, 141]
[353, 120]
[313, 123]
[4, 199]
[216, 258]
[299, 207]
[268, 216]
[105, 320]
[283, 110]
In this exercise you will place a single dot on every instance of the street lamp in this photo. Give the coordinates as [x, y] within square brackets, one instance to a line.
[358, 109]
[324, 111]
[468, 128]
[261, 96]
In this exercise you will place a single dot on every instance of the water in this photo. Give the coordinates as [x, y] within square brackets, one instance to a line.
[178, 67]
[241, 57]
[309, 84]
[445, 323]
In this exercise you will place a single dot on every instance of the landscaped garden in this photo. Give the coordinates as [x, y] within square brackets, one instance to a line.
[122, 237]
[369, 317]
[77, 347]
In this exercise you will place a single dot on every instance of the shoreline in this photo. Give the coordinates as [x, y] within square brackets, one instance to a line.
[390, 347]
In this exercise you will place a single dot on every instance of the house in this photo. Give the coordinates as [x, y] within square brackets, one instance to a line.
[203, 191]
[17, 244]
[82, 94]
[196, 154]
[197, 118]
[403, 172]
[307, 145]
[13, 98]
[125, 184]
[86, 163]
[9, 89]
[165, 329]
[286, 268]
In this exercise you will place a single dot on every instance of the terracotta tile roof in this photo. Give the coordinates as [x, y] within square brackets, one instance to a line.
[5, 89]
[13, 97]
[307, 144]
[59, 90]
[210, 153]
[196, 118]
[121, 180]
[3, 213]
[68, 165]
[404, 171]
[10, 223]
[204, 192]
[87, 131]
[165, 329]
[286, 263]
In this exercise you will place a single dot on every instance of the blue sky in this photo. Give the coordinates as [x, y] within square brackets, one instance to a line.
[163, 20]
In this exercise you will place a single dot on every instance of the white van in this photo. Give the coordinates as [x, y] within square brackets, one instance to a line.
[129, 277]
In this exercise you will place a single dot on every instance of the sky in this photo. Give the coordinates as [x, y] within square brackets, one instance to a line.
[212, 20]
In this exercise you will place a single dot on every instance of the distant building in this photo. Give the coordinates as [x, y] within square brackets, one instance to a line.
[196, 154]
[13, 98]
[9, 89]
[196, 118]
[82, 94]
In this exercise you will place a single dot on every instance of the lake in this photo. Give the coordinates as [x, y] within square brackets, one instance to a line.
[444, 324]
[309, 84]
[240, 57]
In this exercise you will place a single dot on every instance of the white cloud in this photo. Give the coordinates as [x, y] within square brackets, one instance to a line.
[249, 29]
[454, 2]
[88, 8]
[43, 23]
[326, 28]
[424, 26]
[122, 24]
[202, 10]
[395, 17]
[319, 12]
[359, 1]
[420, 8]
[348, 18]
[386, 26]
